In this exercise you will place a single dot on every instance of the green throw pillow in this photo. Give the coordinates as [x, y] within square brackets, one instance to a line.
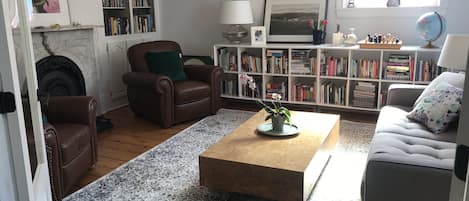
[166, 63]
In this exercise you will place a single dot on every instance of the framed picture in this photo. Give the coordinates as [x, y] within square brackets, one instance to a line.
[290, 21]
[258, 35]
[48, 12]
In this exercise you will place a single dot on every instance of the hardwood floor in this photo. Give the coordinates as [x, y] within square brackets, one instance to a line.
[132, 136]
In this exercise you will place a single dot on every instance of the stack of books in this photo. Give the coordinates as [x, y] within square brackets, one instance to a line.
[365, 68]
[304, 92]
[399, 67]
[113, 3]
[227, 59]
[332, 93]
[116, 26]
[276, 87]
[277, 61]
[251, 63]
[303, 62]
[364, 95]
[334, 66]
[427, 70]
[230, 87]
[143, 24]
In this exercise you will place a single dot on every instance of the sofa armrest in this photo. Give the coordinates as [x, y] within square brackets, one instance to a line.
[404, 94]
[158, 83]
[72, 109]
[209, 74]
[54, 159]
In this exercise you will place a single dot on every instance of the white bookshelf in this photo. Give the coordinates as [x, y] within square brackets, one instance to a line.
[129, 17]
[351, 52]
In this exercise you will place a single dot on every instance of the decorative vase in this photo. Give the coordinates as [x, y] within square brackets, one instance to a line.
[318, 37]
[277, 123]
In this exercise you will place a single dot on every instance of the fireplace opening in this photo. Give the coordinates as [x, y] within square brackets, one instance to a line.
[60, 76]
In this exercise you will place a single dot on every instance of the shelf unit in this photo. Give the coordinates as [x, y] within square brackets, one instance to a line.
[315, 79]
[127, 17]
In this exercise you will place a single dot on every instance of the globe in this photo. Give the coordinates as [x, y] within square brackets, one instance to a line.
[430, 26]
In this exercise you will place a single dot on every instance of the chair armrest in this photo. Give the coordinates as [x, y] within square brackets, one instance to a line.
[158, 83]
[204, 73]
[54, 159]
[72, 109]
[404, 94]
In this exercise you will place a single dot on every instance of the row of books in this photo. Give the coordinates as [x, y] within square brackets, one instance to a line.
[227, 59]
[141, 3]
[276, 87]
[248, 92]
[364, 95]
[143, 24]
[304, 92]
[334, 66]
[427, 70]
[277, 61]
[364, 68]
[114, 3]
[251, 63]
[332, 93]
[303, 62]
[116, 26]
[398, 67]
[230, 87]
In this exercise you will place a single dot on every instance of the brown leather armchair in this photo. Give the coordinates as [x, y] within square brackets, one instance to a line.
[71, 141]
[157, 98]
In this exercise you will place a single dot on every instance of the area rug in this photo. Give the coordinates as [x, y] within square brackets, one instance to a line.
[169, 171]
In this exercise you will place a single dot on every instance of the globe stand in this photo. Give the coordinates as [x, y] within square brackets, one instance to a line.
[429, 45]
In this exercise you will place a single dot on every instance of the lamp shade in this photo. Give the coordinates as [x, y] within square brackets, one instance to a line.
[454, 52]
[236, 12]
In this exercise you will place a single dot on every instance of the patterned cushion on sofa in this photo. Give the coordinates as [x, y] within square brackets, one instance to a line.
[438, 108]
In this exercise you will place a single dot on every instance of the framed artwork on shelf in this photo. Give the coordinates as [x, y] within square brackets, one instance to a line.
[48, 12]
[292, 21]
[258, 35]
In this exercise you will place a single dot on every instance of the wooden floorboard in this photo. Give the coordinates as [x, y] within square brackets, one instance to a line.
[132, 136]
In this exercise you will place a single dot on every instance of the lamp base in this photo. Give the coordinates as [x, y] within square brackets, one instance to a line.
[235, 33]
[429, 45]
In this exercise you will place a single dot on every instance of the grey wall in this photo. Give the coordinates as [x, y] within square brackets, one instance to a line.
[194, 24]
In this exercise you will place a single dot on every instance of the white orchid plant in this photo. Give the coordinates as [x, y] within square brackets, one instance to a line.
[277, 109]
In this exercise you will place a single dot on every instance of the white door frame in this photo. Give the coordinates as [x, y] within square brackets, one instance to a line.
[26, 189]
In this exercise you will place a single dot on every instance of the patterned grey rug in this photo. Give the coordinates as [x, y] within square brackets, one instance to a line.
[169, 171]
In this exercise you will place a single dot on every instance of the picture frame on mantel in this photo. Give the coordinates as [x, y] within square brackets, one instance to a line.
[56, 13]
[290, 21]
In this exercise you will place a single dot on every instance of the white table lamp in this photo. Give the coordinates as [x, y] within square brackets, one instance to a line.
[236, 13]
[454, 52]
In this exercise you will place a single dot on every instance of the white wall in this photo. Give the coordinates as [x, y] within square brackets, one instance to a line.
[194, 24]
[7, 188]
[86, 12]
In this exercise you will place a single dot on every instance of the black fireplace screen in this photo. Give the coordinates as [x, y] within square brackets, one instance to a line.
[59, 76]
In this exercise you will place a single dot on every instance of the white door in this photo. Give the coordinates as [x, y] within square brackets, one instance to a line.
[459, 188]
[22, 184]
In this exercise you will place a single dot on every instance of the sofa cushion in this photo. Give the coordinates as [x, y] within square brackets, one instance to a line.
[190, 91]
[167, 63]
[439, 108]
[73, 139]
[401, 149]
[393, 120]
[455, 79]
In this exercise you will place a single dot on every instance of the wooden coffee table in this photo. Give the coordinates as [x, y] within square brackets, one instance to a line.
[276, 168]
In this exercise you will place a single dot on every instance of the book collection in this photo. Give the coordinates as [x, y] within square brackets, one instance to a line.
[116, 26]
[364, 95]
[332, 93]
[398, 67]
[114, 3]
[364, 68]
[141, 3]
[276, 87]
[230, 87]
[248, 92]
[227, 59]
[251, 63]
[334, 66]
[277, 61]
[304, 92]
[427, 70]
[303, 62]
[143, 23]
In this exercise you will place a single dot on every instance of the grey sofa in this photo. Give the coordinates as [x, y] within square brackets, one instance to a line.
[406, 162]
